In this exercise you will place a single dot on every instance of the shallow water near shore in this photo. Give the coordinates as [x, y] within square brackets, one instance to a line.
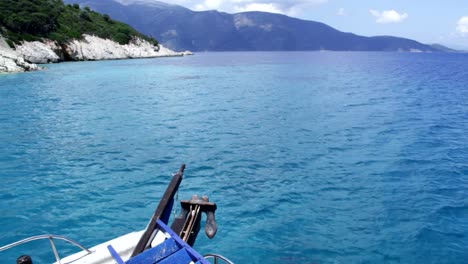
[312, 157]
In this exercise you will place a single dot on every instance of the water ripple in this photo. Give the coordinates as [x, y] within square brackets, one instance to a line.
[311, 157]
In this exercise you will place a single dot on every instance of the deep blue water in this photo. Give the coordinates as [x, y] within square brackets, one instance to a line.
[311, 157]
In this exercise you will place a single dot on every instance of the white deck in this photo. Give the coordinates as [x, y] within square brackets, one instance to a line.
[124, 245]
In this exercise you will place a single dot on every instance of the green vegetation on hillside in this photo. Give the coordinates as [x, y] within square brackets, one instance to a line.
[35, 19]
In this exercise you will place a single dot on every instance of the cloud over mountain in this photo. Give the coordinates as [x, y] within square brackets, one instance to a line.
[287, 7]
[462, 25]
[388, 16]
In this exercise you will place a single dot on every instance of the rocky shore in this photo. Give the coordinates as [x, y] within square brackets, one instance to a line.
[11, 61]
[26, 55]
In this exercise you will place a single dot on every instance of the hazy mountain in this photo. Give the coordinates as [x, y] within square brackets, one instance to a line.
[446, 49]
[183, 29]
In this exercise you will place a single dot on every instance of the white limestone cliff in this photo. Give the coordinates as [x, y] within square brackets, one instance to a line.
[10, 61]
[95, 48]
[26, 54]
[92, 48]
[39, 52]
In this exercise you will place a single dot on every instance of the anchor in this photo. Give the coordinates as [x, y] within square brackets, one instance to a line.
[187, 223]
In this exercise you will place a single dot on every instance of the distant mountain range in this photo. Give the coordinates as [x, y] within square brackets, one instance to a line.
[180, 28]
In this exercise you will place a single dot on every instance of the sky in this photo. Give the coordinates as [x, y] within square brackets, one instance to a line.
[427, 21]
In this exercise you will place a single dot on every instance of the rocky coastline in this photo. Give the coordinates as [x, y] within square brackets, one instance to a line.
[27, 55]
[11, 61]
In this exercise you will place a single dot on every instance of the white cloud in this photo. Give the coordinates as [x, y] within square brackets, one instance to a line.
[267, 7]
[208, 5]
[388, 16]
[341, 12]
[287, 7]
[462, 25]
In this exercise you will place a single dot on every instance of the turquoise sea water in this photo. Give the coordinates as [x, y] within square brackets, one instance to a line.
[312, 157]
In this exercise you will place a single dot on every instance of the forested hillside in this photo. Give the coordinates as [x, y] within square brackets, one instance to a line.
[31, 20]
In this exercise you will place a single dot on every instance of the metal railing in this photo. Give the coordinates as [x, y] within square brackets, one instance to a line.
[217, 257]
[52, 244]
